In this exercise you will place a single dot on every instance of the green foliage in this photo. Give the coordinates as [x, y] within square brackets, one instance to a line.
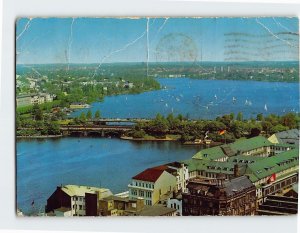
[97, 115]
[260, 117]
[138, 134]
[82, 117]
[239, 116]
[37, 112]
[89, 115]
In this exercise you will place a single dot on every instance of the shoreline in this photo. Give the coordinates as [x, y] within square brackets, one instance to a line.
[40, 137]
[145, 139]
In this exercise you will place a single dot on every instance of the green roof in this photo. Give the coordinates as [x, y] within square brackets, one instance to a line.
[274, 164]
[244, 159]
[250, 144]
[209, 166]
[232, 149]
[210, 153]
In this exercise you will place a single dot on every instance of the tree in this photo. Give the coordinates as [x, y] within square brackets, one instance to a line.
[82, 117]
[53, 128]
[37, 112]
[260, 117]
[289, 120]
[266, 126]
[159, 125]
[278, 128]
[239, 116]
[89, 115]
[97, 114]
[18, 120]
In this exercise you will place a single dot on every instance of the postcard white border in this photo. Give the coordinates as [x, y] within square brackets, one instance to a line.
[97, 8]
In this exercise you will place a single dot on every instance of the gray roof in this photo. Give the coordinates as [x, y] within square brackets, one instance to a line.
[237, 185]
[156, 210]
[289, 136]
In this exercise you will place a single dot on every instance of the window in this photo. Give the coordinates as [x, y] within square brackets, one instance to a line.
[80, 207]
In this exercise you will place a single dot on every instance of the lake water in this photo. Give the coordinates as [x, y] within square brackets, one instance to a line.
[203, 99]
[44, 164]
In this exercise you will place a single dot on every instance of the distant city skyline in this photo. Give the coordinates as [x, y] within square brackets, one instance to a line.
[110, 40]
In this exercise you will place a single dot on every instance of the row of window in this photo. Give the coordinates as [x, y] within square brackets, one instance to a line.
[175, 206]
[148, 202]
[78, 198]
[145, 185]
[78, 207]
[141, 193]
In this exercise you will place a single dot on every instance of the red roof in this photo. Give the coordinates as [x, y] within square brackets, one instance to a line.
[150, 174]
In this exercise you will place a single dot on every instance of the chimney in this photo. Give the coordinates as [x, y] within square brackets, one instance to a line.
[236, 170]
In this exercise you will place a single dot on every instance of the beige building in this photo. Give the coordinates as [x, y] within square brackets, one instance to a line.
[153, 185]
[73, 199]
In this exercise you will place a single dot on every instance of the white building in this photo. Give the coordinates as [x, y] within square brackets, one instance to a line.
[175, 203]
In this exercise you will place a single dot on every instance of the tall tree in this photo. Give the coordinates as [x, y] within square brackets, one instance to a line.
[239, 116]
[89, 115]
[82, 117]
[97, 114]
[37, 112]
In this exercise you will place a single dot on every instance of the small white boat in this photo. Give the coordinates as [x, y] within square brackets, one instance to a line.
[266, 108]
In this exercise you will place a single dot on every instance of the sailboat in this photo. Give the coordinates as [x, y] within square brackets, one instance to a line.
[246, 102]
[216, 97]
[233, 99]
[266, 109]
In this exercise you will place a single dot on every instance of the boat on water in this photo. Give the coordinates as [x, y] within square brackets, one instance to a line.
[233, 99]
[266, 108]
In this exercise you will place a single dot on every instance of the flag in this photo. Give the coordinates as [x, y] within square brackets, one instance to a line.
[272, 178]
[32, 203]
[221, 132]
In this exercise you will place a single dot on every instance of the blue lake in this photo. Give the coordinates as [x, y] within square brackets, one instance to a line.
[203, 99]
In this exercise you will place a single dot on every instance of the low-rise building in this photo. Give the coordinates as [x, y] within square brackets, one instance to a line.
[219, 197]
[278, 205]
[153, 184]
[156, 210]
[73, 197]
[257, 146]
[291, 136]
[274, 174]
[23, 100]
[175, 202]
[118, 206]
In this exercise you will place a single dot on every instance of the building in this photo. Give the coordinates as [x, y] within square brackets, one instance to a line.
[286, 137]
[181, 174]
[175, 202]
[118, 206]
[278, 205]
[73, 197]
[212, 169]
[257, 146]
[30, 99]
[156, 210]
[153, 185]
[274, 174]
[23, 100]
[128, 85]
[78, 105]
[219, 197]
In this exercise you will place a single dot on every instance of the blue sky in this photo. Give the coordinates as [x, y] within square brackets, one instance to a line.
[102, 40]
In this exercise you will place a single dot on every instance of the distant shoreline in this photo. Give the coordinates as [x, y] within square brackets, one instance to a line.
[41, 137]
[145, 139]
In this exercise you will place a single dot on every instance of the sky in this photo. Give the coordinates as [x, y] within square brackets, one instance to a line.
[108, 40]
